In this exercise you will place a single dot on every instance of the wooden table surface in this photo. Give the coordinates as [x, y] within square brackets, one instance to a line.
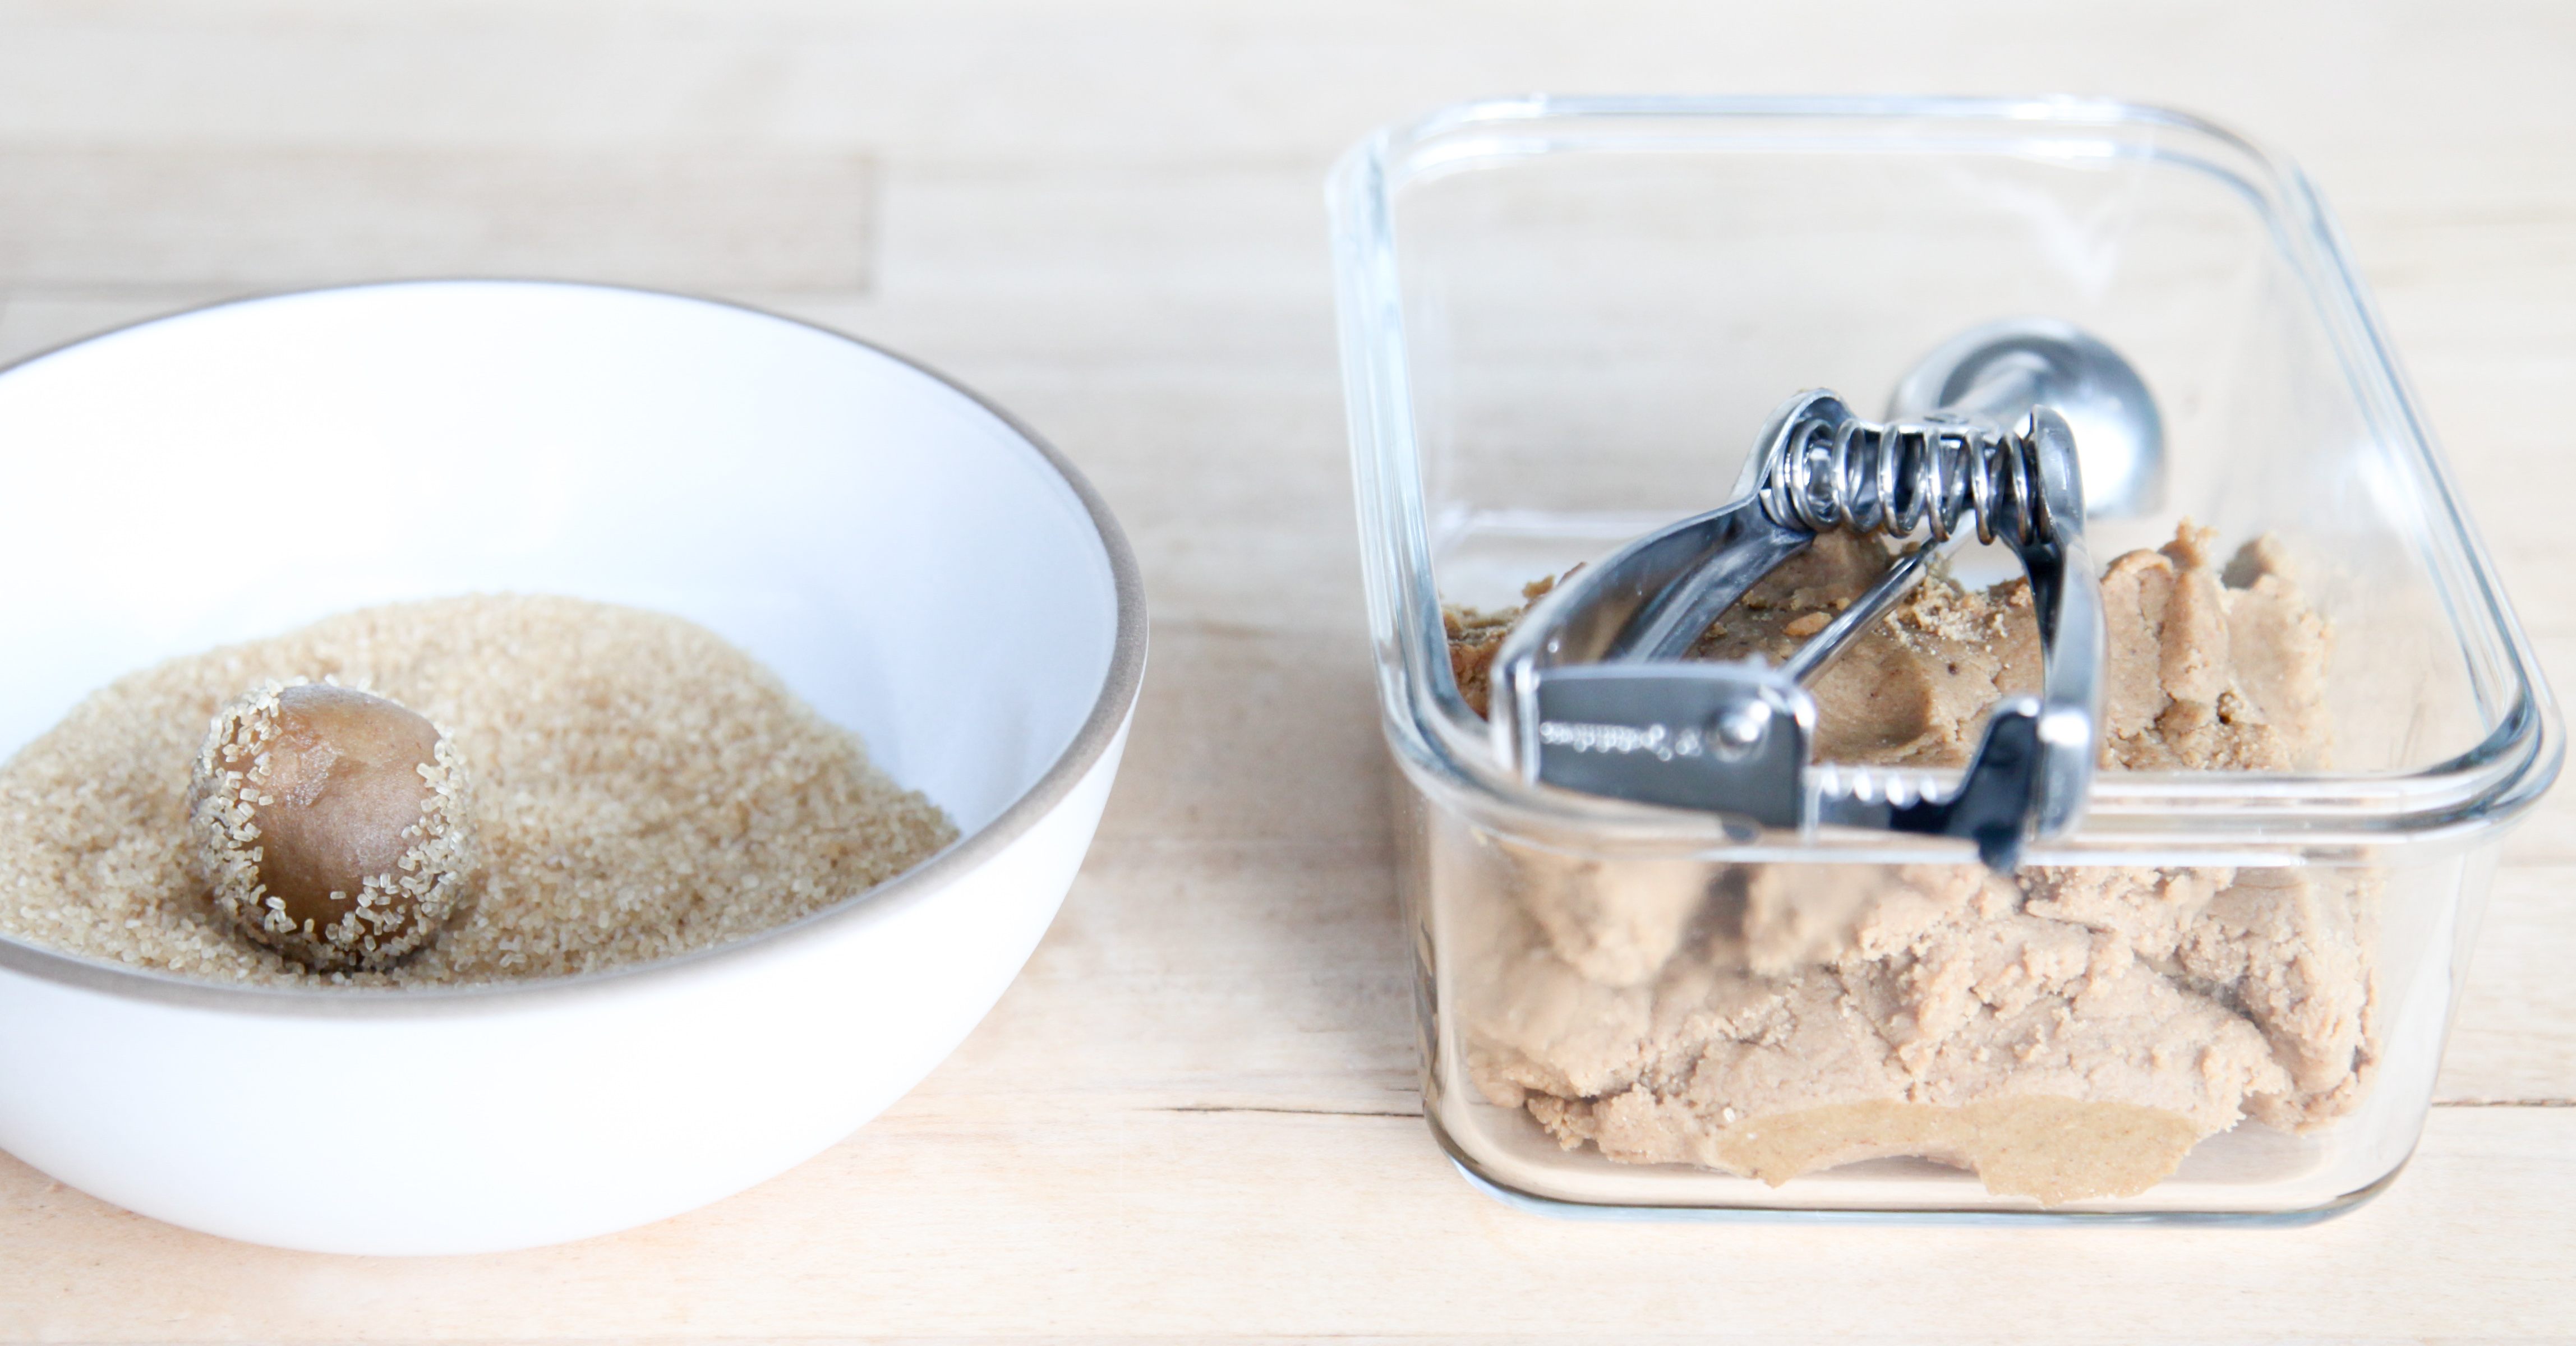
[1195, 1114]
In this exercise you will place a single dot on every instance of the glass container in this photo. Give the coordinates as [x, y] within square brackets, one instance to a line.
[2225, 994]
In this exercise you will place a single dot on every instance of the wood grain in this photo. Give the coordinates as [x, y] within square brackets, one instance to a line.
[1194, 1115]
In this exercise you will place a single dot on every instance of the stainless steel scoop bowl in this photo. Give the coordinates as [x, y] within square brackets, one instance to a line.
[2001, 369]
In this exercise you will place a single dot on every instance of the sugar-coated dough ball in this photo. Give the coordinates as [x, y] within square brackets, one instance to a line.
[332, 825]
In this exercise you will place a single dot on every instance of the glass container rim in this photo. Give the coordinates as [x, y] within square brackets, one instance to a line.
[2484, 787]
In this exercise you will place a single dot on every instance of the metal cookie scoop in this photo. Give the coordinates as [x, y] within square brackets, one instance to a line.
[1591, 691]
[2002, 369]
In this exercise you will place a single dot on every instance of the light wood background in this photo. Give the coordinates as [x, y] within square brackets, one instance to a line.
[1194, 1115]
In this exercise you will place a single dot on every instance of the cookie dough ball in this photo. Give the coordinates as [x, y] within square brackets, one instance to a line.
[332, 825]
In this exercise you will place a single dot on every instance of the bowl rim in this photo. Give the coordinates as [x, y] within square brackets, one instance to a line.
[1100, 730]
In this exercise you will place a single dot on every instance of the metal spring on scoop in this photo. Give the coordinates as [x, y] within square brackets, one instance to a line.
[1830, 469]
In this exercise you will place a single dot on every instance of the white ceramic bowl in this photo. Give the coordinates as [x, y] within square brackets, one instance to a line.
[910, 560]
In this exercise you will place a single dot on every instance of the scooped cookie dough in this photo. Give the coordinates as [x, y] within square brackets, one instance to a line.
[2066, 1033]
[2204, 668]
[332, 825]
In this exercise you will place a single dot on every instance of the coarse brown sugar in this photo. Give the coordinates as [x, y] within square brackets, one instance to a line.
[643, 789]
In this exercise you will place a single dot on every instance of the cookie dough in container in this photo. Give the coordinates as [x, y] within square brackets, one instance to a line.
[2222, 991]
[909, 562]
